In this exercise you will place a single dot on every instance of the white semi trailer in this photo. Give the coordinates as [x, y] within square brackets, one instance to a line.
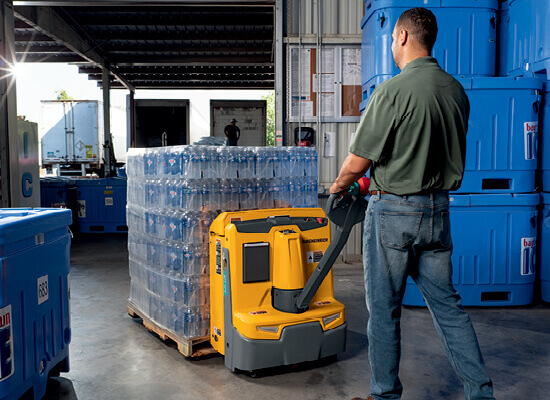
[71, 135]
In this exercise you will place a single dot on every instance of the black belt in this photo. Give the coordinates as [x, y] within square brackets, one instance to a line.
[376, 192]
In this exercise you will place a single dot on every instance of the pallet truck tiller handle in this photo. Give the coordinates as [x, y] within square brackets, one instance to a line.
[344, 212]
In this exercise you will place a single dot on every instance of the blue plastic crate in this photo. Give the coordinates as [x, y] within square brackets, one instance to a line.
[494, 242]
[363, 105]
[101, 205]
[544, 247]
[369, 86]
[34, 299]
[57, 192]
[544, 128]
[501, 145]
[465, 45]
[502, 140]
[524, 40]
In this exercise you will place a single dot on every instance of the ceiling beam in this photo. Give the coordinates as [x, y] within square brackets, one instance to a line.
[32, 37]
[176, 48]
[33, 48]
[248, 19]
[166, 76]
[179, 78]
[83, 3]
[174, 70]
[51, 58]
[222, 85]
[48, 22]
[192, 35]
[196, 61]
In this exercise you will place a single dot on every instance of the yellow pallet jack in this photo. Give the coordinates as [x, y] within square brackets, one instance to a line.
[271, 287]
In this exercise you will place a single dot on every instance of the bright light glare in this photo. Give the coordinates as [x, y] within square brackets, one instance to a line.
[18, 70]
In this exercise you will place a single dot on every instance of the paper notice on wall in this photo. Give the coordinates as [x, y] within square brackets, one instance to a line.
[306, 108]
[351, 66]
[327, 104]
[327, 83]
[327, 61]
[301, 73]
[329, 144]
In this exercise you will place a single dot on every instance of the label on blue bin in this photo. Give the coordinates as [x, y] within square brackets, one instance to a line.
[528, 256]
[42, 287]
[81, 208]
[6, 343]
[530, 131]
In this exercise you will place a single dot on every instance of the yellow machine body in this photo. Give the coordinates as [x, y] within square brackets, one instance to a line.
[253, 252]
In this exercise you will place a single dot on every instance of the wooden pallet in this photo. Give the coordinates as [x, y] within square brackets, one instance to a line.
[188, 347]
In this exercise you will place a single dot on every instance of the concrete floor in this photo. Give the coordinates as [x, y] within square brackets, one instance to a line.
[114, 357]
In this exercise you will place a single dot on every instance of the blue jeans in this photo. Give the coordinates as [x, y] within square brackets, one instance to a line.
[410, 235]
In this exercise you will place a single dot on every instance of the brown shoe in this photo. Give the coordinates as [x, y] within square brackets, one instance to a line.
[359, 398]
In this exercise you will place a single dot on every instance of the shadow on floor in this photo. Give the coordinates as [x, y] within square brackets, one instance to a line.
[60, 388]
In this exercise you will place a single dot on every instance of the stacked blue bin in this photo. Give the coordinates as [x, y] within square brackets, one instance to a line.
[501, 154]
[524, 42]
[524, 50]
[544, 232]
[34, 299]
[544, 247]
[493, 257]
[544, 129]
[501, 144]
[466, 43]
[58, 192]
[101, 205]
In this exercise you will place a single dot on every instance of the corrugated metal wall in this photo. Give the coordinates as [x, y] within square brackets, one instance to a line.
[328, 171]
[338, 17]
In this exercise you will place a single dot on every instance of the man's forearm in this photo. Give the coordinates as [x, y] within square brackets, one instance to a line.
[353, 168]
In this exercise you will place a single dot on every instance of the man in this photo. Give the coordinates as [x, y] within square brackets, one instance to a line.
[232, 133]
[412, 136]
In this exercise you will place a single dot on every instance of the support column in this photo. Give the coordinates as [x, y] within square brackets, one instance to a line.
[9, 164]
[132, 118]
[107, 140]
[280, 94]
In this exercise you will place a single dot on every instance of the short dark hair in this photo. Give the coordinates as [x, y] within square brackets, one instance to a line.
[421, 25]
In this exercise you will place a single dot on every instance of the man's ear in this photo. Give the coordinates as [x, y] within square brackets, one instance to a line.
[403, 37]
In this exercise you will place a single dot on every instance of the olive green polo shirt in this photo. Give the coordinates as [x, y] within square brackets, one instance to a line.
[414, 131]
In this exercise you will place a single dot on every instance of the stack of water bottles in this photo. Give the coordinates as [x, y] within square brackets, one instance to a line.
[174, 194]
